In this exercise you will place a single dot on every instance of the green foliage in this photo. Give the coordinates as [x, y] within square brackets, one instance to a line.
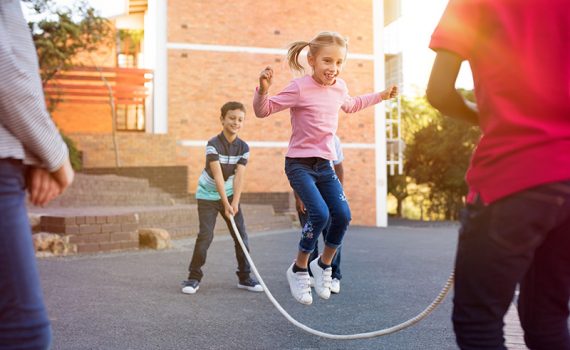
[439, 157]
[63, 33]
[74, 153]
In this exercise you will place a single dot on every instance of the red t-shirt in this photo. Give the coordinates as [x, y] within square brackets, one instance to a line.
[519, 53]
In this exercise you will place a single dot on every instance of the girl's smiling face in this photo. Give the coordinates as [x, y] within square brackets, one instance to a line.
[327, 63]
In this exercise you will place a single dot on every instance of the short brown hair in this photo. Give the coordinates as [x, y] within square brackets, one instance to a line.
[230, 106]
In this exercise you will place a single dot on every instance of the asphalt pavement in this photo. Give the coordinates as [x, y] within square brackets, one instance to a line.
[132, 300]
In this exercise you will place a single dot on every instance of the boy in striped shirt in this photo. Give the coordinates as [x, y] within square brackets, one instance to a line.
[219, 191]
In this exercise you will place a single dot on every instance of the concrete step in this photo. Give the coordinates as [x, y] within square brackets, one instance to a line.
[179, 220]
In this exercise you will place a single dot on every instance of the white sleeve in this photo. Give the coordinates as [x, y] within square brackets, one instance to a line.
[339, 153]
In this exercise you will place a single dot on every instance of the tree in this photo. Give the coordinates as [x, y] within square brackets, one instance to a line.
[63, 33]
[439, 157]
[415, 114]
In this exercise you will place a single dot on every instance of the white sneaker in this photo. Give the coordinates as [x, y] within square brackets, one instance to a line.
[323, 279]
[190, 286]
[312, 282]
[335, 286]
[299, 284]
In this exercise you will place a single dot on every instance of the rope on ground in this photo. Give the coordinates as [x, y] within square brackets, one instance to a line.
[428, 310]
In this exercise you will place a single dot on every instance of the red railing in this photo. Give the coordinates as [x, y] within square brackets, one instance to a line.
[129, 86]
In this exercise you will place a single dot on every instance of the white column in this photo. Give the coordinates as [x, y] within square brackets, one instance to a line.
[380, 118]
[156, 58]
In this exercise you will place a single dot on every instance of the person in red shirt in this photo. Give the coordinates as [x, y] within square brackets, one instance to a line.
[516, 226]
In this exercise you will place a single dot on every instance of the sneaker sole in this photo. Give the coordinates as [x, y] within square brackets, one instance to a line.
[251, 289]
[188, 291]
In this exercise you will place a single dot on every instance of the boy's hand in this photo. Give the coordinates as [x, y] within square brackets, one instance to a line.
[228, 210]
[235, 207]
[389, 93]
[265, 80]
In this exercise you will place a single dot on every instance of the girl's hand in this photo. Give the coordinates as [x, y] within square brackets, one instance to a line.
[265, 80]
[389, 93]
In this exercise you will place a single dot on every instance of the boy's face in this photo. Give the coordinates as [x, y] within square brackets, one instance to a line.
[233, 121]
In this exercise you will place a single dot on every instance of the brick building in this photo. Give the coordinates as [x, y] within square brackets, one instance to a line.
[204, 53]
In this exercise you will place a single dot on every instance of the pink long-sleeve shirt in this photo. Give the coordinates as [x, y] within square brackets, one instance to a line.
[314, 113]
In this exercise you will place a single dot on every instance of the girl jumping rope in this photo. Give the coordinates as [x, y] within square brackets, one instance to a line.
[314, 102]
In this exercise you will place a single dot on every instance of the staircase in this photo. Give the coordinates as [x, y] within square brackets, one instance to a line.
[97, 208]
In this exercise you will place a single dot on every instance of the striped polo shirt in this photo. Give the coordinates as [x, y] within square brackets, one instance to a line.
[229, 155]
[26, 129]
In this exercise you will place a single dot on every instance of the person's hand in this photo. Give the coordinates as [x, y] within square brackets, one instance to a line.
[64, 175]
[265, 80]
[228, 210]
[42, 187]
[389, 93]
[300, 205]
[235, 207]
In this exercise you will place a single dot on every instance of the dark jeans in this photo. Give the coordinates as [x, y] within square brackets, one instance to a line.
[335, 265]
[317, 185]
[23, 319]
[207, 214]
[521, 239]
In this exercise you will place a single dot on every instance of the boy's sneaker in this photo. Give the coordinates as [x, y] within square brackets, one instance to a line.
[250, 284]
[335, 286]
[190, 286]
[299, 285]
[323, 279]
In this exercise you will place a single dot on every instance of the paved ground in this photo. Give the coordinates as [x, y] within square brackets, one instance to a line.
[133, 301]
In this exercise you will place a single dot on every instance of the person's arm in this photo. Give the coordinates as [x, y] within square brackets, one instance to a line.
[264, 106]
[299, 205]
[357, 103]
[339, 170]
[216, 169]
[23, 112]
[441, 92]
[239, 179]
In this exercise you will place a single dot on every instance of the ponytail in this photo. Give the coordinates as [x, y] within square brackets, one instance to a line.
[293, 53]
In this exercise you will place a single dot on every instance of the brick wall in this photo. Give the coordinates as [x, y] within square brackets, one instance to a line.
[95, 233]
[81, 118]
[171, 179]
[135, 149]
[199, 82]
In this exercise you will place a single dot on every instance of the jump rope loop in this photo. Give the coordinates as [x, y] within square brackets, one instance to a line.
[381, 332]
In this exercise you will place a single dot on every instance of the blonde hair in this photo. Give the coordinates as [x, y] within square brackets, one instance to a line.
[321, 40]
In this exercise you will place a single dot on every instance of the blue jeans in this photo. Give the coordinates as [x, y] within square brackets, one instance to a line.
[207, 214]
[521, 239]
[23, 318]
[335, 265]
[317, 185]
